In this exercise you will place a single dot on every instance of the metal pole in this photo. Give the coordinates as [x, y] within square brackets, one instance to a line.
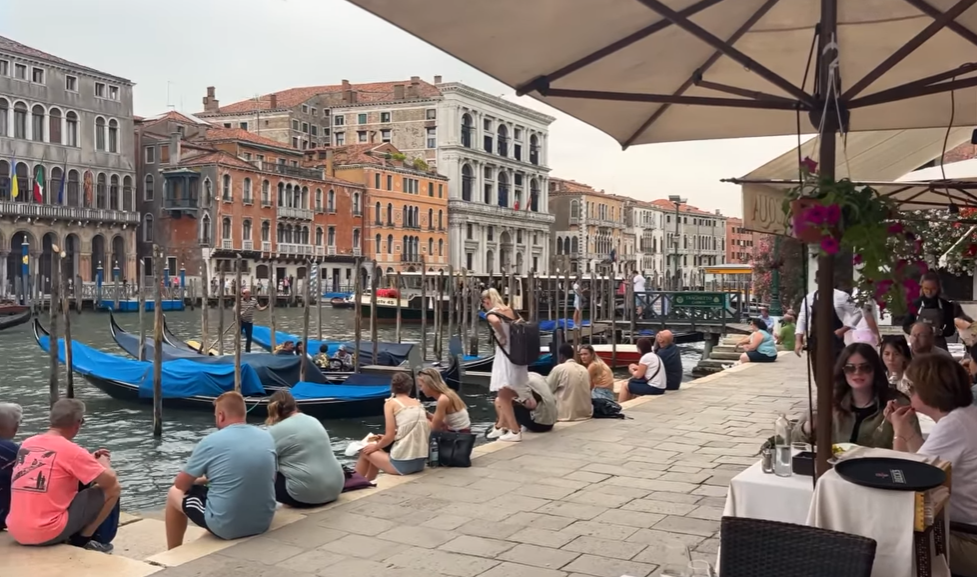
[220, 308]
[54, 388]
[141, 300]
[374, 287]
[357, 312]
[158, 345]
[423, 310]
[775, 305]
[69, 375]
[237, 325]
[399, 306]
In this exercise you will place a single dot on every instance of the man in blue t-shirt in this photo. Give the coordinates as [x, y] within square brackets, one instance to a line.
[228, 484]
[10, 415]
[671, 359]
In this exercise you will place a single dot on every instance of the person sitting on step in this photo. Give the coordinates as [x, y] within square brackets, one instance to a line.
[601, 376]
[570, 383]
[450, 412]
[10, 416]
[647, 377]
[406, 431]
[228, 485]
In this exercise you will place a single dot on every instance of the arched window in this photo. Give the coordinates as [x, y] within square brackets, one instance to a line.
[55, 186]
[534, 149]
[318, 236]
[20, 120]
[73, 188]
[127, 198]
[376, 214]
[246, 229]
[331, 236]
[100, 133]
[114, 192]
[23, 180]
[430, 219]
[281, 232]
[113, 135]
[406, 218]
[226, 188]
[440, 247]
[503, 140]
[265, 231]
[71, 129]
[356, 203]
[206, 235]
[247, 192]
[318, 200]
[37, 123]
[356, 238]
[440, 220]
[390, 244]
[574, 245]
[331, 201]
[466, 130]
[390, 214]
[503, 189]
[288, 200]
[4, 109]
[264, 193]
[574, 209]
[430, 246]
[378, 245]
[534, 195]
[54, 126]
[303, 202]
[281, 194]
[226, 228]
[100, 192]
[147, 228]
[208, 192]
[467, 182]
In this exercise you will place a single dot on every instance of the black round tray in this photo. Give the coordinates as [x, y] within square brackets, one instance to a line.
[892, 474]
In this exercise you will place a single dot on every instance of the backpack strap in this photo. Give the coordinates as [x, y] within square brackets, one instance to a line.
[495, 338]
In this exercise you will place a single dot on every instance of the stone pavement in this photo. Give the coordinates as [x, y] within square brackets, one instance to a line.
[601, 498]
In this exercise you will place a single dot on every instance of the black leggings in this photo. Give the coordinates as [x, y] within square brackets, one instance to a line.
[283, 497]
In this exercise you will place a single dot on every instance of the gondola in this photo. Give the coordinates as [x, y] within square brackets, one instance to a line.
[130, 380]
[342, 303]
[10, 308]
[9, 321]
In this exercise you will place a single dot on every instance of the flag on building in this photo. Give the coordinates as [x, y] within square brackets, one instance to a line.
[14, 190]
[64, 176]
[39, 185]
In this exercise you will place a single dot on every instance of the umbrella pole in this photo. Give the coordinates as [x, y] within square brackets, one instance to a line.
[825, 303]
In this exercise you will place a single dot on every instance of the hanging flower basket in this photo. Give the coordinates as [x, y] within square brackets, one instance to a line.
[838, 215]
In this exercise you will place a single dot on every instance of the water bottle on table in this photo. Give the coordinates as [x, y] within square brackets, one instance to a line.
[782, 457]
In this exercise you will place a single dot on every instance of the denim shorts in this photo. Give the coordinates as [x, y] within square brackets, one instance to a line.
[641, 387]
[599, 393]
[409, 466]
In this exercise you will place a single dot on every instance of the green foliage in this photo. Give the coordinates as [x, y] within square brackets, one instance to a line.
[419, 164]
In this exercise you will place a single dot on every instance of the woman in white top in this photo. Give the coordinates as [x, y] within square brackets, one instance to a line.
[406, 429]
[510, 382]
[940, 389]
[450, 412]
[647, 377]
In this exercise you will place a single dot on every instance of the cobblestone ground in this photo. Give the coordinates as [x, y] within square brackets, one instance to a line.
[603, 498]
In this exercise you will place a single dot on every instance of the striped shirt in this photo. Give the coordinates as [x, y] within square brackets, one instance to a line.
[247, 309]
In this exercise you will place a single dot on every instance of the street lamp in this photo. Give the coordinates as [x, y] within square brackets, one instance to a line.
[678, 201]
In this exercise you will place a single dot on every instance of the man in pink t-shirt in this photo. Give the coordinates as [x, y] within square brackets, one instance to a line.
[46, 505]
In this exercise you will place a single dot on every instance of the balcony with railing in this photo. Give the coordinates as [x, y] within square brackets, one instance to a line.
[410, 258]
[296, 213]
[227, 244]
[357, 251]
[357, 212]
[331, 250]
[266, 246]
[183, 203]
[248, 245]
[320, 251]
[74, 213]
[285, 170]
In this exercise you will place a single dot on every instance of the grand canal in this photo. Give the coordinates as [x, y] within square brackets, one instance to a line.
[146, 465]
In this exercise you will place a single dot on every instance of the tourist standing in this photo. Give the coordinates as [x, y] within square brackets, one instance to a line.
[577, 304]
[248, 305]
[767, 319]
[228, 485]
[938, 313]
[508, 381]
[570, 383]
[308, 473]
[639, 283]
[843, 308]
[46, 505]
[785, 336]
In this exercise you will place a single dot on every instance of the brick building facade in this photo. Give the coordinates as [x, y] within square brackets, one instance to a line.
[740, 243]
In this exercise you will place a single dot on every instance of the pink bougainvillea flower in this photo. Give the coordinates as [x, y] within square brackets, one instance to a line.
[895, 228]
[814, 215]
[918, 246]
[922, 267]
[881, 304]
[910, 235]
[913, 309]
[857, 259]
[882, 287]
[912, 288]
[832, 214]
[971, 250]
[829, 245]
[809, 165]
[901, 265]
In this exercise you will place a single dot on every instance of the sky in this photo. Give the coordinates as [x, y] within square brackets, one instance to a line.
[174, 50]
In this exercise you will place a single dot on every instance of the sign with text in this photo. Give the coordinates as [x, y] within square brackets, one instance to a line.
[763, 209]
[699, 300]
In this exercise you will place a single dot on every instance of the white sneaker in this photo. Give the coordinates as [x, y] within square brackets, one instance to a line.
[495, 433]
[522, 428]
[511, 437]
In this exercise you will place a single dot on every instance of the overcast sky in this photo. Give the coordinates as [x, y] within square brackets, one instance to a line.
[174, 49]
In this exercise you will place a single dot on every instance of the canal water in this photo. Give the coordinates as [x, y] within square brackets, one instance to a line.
[147, 466]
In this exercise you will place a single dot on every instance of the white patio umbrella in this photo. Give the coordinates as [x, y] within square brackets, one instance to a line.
[647, 71]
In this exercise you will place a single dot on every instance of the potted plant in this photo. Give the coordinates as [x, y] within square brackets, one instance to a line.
[843, 215]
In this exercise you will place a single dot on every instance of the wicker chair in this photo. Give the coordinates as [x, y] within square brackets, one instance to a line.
[757, 548]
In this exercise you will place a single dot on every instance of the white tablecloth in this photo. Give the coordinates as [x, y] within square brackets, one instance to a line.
[757, 495]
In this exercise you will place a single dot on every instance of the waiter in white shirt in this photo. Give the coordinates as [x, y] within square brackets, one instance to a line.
[844, 308]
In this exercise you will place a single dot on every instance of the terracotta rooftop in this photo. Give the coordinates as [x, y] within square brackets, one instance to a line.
[224, 134]
[573, 187]
[685, 208]
[174, 116]
[216, 157]
[14, 47]
[372, 92]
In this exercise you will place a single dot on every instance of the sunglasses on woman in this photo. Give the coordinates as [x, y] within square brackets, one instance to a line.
[860, 368]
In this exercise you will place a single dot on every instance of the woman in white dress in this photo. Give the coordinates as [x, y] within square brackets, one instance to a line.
[510, 382]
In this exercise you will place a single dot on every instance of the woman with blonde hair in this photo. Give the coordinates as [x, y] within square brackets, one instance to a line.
[509, 381]
[450, 412]
[308, 473]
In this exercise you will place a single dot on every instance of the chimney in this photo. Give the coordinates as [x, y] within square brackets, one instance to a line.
[211, 104]
[437, 79]
[274, 101]
[175, 139]
[398, 91]
[330, 169]
[414, 90]
[347, 92]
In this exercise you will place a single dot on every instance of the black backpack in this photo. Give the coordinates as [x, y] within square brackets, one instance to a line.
[523, 341]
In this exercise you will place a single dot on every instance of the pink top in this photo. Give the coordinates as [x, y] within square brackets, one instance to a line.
[45, 480]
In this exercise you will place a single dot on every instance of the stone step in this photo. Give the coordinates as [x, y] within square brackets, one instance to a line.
[724, 349]
[61, 560]
[724, 356]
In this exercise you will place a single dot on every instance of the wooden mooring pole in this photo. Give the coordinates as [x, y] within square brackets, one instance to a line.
[220, 308]
[204, 307]
[305, 317]
[237, 324]
[357, 312]
[141, 303]
[318, 303]
[272, 301]
[66, 309]
[374, 336]
[399, 288]
[54, 389]
[158, 343]
[424, 307]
